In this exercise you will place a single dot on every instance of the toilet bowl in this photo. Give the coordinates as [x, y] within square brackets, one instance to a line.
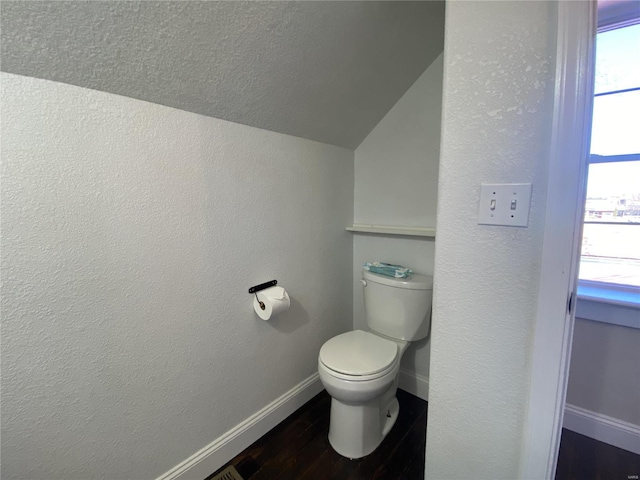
[360, 369]
[363, 405]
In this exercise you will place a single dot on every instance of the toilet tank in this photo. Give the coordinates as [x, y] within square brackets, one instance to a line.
[398, 307]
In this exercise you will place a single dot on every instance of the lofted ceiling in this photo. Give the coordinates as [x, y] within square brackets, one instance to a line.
[323, 70]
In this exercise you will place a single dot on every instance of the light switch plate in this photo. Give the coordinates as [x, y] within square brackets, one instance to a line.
[505, 204]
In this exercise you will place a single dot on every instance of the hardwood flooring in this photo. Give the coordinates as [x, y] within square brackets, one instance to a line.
[583, 458]
[298, 449]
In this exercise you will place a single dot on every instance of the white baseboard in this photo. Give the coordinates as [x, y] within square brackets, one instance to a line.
[414, 384]
[600, 427]
[215, 455]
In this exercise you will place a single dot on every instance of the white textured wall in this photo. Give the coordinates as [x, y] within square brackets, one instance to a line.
[396, 183]
[498, 86]
[130, 234]
[604, 376]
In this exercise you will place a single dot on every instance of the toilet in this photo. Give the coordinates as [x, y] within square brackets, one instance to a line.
[359, 369]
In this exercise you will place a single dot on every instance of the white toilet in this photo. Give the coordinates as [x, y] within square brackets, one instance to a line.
[360, 369]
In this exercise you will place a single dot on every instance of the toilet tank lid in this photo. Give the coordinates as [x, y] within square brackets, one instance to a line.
[412, 282]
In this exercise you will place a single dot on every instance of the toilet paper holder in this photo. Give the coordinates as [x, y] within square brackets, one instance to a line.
[262, 286]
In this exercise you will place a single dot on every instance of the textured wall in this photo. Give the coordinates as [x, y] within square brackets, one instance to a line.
[130, 234]
[497, 104]
[396, 183]
[604, 376]
[327, 71]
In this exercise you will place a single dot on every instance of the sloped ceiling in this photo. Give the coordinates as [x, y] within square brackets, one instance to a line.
[322, 70]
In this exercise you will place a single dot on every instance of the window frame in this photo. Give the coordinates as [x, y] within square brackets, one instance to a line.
[617, 304]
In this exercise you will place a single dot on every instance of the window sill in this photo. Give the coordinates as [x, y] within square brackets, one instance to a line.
[608, 305]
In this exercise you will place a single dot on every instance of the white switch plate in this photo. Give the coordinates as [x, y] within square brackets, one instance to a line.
[505, 204]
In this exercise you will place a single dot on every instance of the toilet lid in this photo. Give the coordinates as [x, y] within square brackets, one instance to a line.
[358, 353]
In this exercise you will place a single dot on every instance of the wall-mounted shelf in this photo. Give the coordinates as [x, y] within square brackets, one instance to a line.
[392, 230]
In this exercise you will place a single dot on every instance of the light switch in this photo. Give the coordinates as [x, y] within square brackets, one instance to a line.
[505, 204]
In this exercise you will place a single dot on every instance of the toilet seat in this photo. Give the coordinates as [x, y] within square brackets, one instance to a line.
[358, 356]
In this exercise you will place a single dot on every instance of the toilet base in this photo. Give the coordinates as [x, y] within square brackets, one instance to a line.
[356, 430]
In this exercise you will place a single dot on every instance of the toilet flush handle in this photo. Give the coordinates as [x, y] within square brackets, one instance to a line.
[363, 282]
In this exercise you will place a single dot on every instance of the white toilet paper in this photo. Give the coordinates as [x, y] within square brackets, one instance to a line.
[276, 300]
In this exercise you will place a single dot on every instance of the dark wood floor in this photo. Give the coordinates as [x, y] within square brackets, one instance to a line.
[298, 448]
[583, 458]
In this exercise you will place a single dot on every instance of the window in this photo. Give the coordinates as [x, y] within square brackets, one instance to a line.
[610, 257]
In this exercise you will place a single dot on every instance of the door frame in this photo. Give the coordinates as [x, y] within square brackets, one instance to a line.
[571, 129]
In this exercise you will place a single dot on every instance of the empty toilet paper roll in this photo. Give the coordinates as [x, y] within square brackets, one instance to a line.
[275, 299]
